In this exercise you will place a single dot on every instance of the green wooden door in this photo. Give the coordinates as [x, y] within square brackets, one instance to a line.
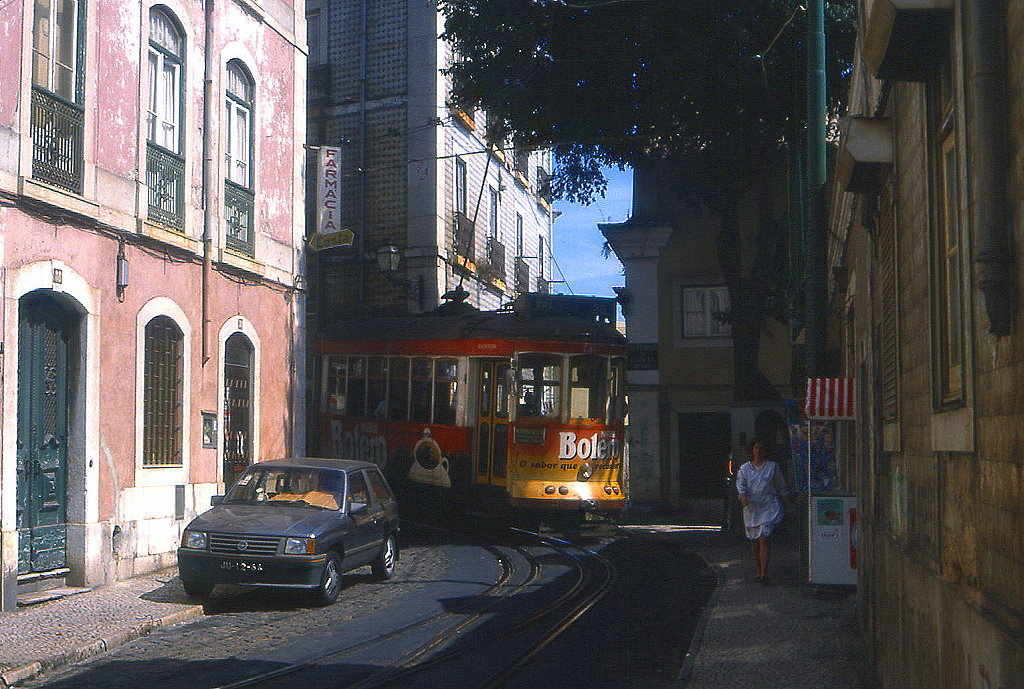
[42, 434]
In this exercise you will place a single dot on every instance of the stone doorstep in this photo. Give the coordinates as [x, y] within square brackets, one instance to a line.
[35, 597]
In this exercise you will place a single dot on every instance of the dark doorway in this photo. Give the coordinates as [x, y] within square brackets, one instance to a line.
[238, 369]
[703, 452]
[44, 337]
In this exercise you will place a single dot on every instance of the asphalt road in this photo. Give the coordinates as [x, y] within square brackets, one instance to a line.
[635, 636]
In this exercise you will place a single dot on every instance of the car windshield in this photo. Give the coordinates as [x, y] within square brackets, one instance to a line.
[306, 487]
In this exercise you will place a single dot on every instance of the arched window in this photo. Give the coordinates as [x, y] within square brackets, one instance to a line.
[238, 158]
[162, 393]
[239, 100]
[165, 166]
[166, 55]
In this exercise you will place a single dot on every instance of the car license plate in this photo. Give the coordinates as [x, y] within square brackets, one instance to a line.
[240, 566]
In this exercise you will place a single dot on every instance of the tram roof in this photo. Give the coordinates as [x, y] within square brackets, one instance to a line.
[467, 323]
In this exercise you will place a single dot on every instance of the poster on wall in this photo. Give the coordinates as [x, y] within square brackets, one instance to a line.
[818, 437]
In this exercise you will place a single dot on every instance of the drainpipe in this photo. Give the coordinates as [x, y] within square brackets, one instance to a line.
[209, 211]
[987, 146]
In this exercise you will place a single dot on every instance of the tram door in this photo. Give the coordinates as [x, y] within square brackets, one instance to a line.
[491, 451]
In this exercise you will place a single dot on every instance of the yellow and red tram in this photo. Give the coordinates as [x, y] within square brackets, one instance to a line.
[519, 408]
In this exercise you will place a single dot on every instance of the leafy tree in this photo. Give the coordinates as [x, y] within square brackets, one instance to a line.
[712, 89]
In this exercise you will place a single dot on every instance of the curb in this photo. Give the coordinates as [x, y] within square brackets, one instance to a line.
[686, 669]
[12, 676]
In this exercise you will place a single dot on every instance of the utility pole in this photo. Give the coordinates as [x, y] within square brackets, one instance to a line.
[817, 220]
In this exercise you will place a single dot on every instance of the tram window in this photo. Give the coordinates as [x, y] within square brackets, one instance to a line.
[376, 387]
[485, 391]
[398, 388]
[540, 387]
[501, 391]
[334, 396]
[356, 386]
[445, 385]
[588, 387]
[422, 374]
[617, 397]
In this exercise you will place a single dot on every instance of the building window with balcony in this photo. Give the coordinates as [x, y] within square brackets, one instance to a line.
[162, 403]
[165, 165]
[492, 213]
[460, 186]
[464, 227]
[57, 115]
[238, 156]
[948, 316]
[703, 308]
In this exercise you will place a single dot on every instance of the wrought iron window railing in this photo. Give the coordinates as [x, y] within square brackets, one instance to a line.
[57, 134]
[496, 257]
[464, 230]
[165, 177]
[239, 214]
[522, 275]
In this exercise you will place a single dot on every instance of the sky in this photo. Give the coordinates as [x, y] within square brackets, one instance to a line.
[578, 242]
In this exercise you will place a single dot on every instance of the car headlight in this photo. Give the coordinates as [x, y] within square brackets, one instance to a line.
[194, 539]
[300, 546]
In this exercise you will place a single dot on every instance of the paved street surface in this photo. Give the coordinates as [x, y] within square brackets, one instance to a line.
[788, 634]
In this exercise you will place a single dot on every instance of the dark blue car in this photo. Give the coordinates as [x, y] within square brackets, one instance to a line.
[296, 523]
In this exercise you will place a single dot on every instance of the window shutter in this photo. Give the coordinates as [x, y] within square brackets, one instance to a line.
[889, 326]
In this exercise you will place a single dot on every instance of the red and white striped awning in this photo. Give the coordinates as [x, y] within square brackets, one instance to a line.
[830, 398]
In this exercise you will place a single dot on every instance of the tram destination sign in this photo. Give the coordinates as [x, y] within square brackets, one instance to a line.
[528, 435]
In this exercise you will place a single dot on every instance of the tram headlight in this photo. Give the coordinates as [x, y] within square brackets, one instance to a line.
[616, 489]
[550, 490]
[608, 490]
[563, 490]
[585, 472]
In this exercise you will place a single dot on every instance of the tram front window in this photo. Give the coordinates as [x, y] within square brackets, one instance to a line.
[540, 385]
[617, 399]
[588, 387]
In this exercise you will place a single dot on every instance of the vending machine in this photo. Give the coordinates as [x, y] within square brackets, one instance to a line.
[833, 540]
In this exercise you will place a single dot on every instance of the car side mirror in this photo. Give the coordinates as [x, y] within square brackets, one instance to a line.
[357, 508]
[216, 500]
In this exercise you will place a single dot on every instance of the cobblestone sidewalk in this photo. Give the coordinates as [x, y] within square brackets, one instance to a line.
[61, 632]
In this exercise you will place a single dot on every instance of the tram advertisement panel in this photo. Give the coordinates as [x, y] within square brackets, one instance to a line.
[582, 459]
[405, 450]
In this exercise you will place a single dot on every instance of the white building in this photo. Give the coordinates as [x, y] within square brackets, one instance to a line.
[416, 174]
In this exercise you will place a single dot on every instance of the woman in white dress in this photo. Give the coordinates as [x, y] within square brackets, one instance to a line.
[761, 486]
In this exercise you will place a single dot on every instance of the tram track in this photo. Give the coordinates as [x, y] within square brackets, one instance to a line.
[567, 608]
[500, 587]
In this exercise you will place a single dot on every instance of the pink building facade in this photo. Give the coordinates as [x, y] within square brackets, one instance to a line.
[151, 272]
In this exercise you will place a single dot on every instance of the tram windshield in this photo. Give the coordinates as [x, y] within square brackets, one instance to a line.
[540, 386]
[617, 392]
[588, 387]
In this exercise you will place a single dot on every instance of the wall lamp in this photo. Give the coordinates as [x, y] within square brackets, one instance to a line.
[389, 257]
[121, 272]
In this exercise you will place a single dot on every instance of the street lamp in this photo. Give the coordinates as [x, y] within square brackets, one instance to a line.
[389, 257]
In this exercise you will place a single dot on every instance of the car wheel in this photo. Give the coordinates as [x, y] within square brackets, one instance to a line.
[330, 584]
[384, 565]
[196, 589]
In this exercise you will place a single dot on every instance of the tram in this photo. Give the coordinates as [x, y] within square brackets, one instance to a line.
[515, 411]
